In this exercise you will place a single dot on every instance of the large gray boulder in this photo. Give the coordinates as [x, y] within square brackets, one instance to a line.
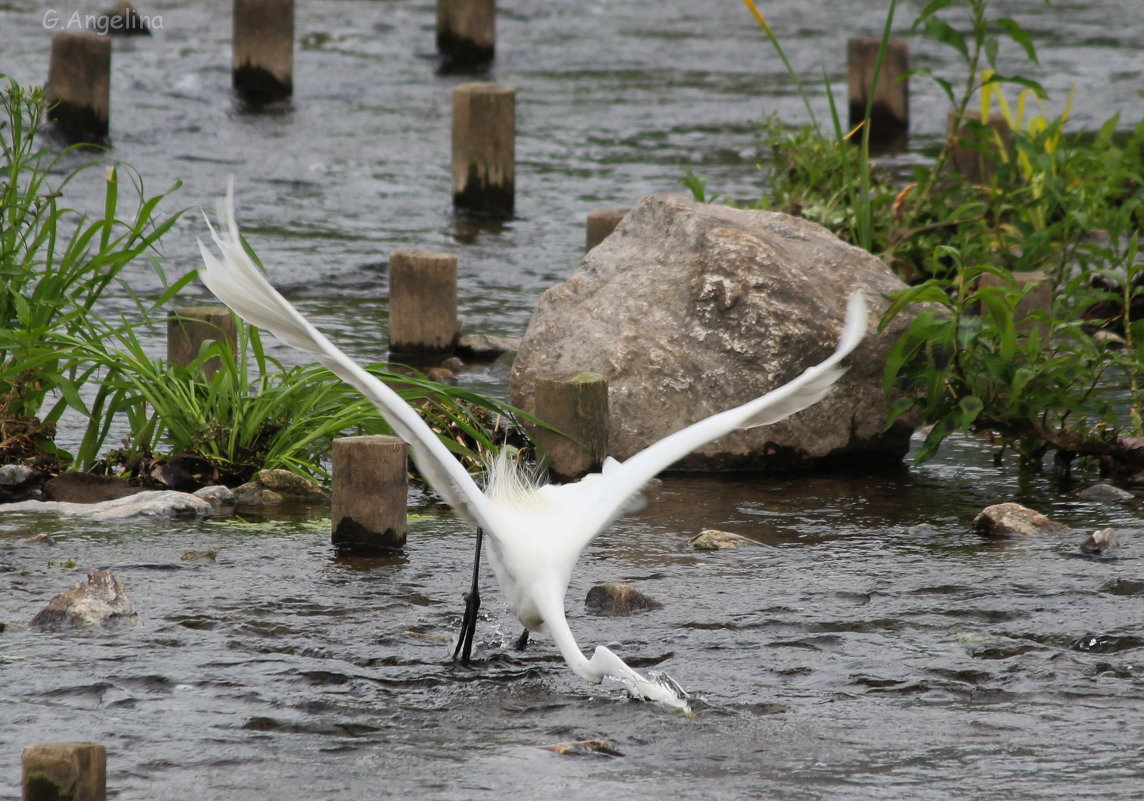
[689, 309]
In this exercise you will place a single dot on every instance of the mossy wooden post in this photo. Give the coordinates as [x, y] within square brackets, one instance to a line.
[600, 225]
[78, 90]
[484, 145]
[890, 112]
[263, 56]
[188, 327]
[422, 305]
[467, 31]
[370, 488]
[577, 405]
[65, 772]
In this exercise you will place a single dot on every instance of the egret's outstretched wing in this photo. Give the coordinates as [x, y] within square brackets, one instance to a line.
[238, 283]
[620, 481]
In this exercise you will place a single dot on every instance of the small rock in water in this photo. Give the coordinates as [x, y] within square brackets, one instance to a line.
[222, 499]
[710, 539]
[151, 503]
[1011, 520]
[615, 598]
[199, 556]
[99, 601]
[1100, 542]
[19, 482]
[921, 530]
[442, 375]
[585, 748]
[43, 538]
[485, 347]
[1105, 493]
[275, 486]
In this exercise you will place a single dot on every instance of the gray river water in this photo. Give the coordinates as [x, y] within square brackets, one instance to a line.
[843, 658]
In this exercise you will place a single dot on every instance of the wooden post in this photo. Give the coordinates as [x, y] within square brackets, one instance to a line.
[484, 142]
[422, 305]
[65, 772]
[890, 112]
[263, 61]
[973, 154]
[188, 327]
[600, 225]
[370, 488]
[466, 31]
[577, 406]
[79, 86]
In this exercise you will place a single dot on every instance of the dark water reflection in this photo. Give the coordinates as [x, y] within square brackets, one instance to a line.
[844, 658]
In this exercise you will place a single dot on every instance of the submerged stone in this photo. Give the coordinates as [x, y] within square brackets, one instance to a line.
[1100, 542]
[150, 503]
[711, 539]
[100, 601]
[616, 598]
[1011, 520]
[1105, 493]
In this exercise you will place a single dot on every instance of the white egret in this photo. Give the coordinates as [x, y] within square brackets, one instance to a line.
[536, 532]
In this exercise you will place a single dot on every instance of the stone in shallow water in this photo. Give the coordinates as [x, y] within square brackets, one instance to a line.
[1100, 542]
[152, 503]
[1105, 493]
[616, 598]
[159, 504]
[585, 748]
[99, 601]
[711, 539]
[689, 309]
[1012, 520]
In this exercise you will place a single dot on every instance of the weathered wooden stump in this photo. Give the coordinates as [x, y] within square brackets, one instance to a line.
[370, 488]
[890, 111]
[190, 327]
[578, 406]
[422, 305]
[467, 31]
[78, 90]
[263, 60]
[65, 772]
[600, 224]
[484, 143]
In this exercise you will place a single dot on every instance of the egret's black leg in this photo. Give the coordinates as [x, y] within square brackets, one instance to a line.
[522, 640]
[472, 605]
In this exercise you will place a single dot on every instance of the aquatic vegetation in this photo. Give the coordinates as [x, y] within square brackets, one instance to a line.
[253, 413]
[1010, 195]
[56, 263]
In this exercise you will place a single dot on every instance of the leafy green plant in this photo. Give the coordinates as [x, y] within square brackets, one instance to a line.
[1049, 206]
[55, 265]
[970, 363]
[252, 413]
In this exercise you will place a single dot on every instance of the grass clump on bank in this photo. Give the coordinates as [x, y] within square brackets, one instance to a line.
[1009, 202]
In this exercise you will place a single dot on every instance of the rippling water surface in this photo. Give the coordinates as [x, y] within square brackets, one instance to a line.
[843, 658]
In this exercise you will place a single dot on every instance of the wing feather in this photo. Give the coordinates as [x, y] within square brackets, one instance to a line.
[608, 498]
[238, 283]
